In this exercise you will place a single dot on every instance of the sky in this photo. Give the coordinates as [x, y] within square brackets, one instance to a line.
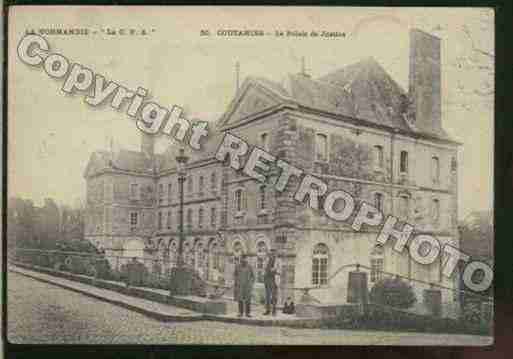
[52, 135]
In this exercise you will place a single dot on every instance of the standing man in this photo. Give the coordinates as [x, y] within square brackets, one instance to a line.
[271, 288]
[243, 286]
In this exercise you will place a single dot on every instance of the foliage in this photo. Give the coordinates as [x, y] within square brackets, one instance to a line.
[376, 317]
[393, 292]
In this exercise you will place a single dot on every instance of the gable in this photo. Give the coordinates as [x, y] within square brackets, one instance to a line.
[251, 99]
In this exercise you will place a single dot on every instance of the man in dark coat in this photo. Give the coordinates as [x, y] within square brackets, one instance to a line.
[244, 279]
[271, 288]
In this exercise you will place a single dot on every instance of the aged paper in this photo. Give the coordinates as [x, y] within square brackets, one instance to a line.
[250, 175]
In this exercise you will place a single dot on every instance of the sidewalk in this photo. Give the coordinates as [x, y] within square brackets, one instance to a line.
[161, 311]
[150, 308]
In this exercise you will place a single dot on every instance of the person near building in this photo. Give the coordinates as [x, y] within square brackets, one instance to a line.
[244, 278]
[271, 288]
[288, 306]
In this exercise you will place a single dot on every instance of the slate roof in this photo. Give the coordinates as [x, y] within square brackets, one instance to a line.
[124, 160]
[361, 91]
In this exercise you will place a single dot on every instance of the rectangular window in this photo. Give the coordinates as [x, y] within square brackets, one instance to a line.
[213, 218]
[378, 201]
[378, 157]
[323, 275]
[213, 181]
[189, 217]
[321, 147]
[134, 220]
[201, 183]
[404, 162]
[436, 211]
[200, 217]
[435, 169]
[376, 269]
[161, 193]
[190, 185]
[169, 219]
[315, 271]
[240, 200]
[159, 224]
[263, 204]
[404, 207]
[134, 191]
[320, 271]
[264, 141]
[169, 192]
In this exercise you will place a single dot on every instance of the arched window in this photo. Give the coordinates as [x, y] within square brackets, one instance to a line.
[321, 147]
[435, 169]
[240, 200]
[378, 201]
[376, 262]
[260, 263]
[378, 156]
[320, 261]
[262, 201]
[403, 164]
[200, 217]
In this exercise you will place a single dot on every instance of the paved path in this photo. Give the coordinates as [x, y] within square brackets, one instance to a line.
[43, 313]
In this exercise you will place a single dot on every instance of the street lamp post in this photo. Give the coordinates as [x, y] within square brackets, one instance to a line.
[181, 161]
[181, 278]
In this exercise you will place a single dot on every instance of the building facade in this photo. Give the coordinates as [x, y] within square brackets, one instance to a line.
[355, 128]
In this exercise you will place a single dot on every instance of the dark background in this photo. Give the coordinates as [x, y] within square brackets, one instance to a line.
[503, 279]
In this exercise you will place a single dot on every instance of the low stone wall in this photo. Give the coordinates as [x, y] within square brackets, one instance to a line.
[198, 304]
[326, 311]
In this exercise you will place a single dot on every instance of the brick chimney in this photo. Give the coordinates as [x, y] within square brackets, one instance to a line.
[425, 87]
[148, 144]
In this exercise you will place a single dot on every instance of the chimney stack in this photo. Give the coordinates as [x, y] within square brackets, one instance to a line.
[425, 81]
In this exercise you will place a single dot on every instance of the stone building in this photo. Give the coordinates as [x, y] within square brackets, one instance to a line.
[356, 128]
